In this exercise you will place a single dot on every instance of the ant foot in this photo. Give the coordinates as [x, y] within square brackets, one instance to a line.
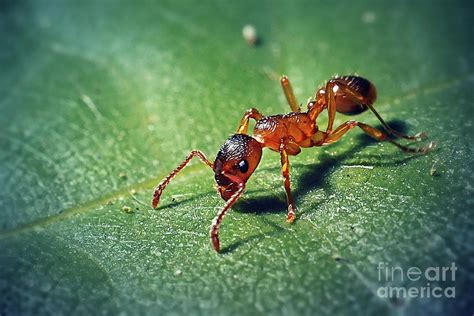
[215, 243]
[156, 198]
[420, 136]
[291, 214]
[428, 148]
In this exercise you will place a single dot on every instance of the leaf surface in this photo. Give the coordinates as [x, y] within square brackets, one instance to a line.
[101, 100]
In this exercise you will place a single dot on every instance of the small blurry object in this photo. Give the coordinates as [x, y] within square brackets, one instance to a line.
[250, 34]
[369, 17]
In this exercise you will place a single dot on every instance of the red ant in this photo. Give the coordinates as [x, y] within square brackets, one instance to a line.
[287, 134]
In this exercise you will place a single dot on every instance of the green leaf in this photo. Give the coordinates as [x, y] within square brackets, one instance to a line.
[101, 100]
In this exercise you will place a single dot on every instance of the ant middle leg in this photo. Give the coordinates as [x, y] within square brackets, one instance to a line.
[244, 122]
[374, 133]
[285, 170]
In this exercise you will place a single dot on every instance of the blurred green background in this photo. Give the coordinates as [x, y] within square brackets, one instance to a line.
[100, 100]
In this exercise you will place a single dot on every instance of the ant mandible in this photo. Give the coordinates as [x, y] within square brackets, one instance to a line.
[239, 156]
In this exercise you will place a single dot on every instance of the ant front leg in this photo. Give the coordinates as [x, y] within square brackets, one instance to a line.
[244, 122]
[216, 222]
[285, 170]
[374, 133]
[161, 186]
[290, 96]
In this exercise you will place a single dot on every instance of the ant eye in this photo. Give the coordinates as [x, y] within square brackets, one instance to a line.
[243, 166]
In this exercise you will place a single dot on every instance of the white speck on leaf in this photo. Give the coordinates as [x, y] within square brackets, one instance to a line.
[369, 17]
[250, 34]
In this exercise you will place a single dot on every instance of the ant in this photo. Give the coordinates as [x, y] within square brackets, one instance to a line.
[240, 155]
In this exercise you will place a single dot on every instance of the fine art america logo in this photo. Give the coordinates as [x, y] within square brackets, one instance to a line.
[433, 280]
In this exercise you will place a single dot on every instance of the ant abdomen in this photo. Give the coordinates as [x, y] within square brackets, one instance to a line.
[347, 102]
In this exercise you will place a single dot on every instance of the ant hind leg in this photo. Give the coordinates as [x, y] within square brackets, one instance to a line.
[417, 136]
[358, 98]
[374, 133]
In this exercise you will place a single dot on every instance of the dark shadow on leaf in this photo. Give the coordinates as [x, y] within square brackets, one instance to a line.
[6, 5]
[318, 173]
[261, 205]
[259, 42]
[230, 248]
[398, 125]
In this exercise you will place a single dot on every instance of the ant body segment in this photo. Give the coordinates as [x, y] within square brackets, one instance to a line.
[240, 155]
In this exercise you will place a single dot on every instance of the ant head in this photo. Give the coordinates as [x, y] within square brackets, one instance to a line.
[235, 163]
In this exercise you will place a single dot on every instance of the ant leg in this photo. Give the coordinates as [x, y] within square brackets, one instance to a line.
[290, 96]
[331, 104]
[216, 222]
[417, 136]
[356, 98]
[285, 170]
[161, 186]
[314, 109]
[374, 133]
[244, 122]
